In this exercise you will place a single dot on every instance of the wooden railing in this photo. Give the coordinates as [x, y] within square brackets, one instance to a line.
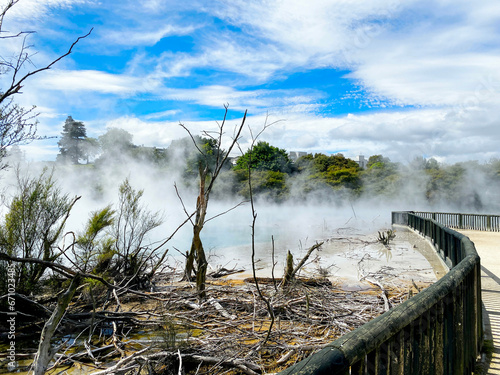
[464, 221]
[438, 331]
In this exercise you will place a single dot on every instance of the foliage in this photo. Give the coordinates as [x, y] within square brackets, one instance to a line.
[94, 248]
[270, 168]
[265, 184]
[35, 222]
[447, 184]
[115, 141]
[188, 155]
[72, 145]
[381, 177]
[132, 225]
[335, 171]
[115, 146]
[265, 157]
[90, 148]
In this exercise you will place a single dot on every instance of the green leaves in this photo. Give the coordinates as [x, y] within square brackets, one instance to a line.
[264, 157]
[34, 224]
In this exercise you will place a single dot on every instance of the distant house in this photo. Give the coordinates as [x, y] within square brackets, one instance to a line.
[294, 155]
[360, 159]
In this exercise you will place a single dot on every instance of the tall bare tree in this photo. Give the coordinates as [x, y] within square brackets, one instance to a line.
[208, 173]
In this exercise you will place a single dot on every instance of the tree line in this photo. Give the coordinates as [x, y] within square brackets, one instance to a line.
[277, 178]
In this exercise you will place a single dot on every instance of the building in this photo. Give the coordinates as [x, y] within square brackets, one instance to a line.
[294, 155]
[360, 159]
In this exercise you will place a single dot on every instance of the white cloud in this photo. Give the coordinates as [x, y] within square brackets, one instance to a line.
[96, 81]
[147, 35]
[399, 135]
[37, 9]
[162, 114]
[276, 101]
[416, 53]
[440, 57]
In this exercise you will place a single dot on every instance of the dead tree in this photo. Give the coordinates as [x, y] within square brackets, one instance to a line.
[290, 271]
[265, 299]
[208, 175]
[45, 351]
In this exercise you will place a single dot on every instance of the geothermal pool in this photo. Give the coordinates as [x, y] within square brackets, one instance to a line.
[347, 257]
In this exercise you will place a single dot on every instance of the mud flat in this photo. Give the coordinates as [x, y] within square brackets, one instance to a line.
[349, 258]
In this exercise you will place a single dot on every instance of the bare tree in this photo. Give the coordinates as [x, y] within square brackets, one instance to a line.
[208, 173]
[18, 125]
[265, 299]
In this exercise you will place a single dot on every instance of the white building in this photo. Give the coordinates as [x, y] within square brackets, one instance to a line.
[294, 155]
[360, 159]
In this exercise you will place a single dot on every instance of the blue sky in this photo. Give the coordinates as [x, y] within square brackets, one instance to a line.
[398, 78]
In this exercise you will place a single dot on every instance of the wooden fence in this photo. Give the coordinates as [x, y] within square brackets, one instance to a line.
[438, 331]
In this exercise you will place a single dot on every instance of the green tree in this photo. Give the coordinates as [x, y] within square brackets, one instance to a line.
[381, 177]
[72, 142]
[90, 148]
[94, 246]
[115, 145]
[265, 184]
[33, 225]
[265, 157]
[270, 169]
[334, 171]
[187, 154]
[115, 141]
[448, 184]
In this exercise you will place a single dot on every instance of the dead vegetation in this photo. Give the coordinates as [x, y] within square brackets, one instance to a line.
[170, 331]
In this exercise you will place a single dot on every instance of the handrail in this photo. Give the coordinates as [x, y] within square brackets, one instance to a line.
[464, 221]
[438, 331]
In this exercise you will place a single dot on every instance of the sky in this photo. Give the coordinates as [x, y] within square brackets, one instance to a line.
[403, 79]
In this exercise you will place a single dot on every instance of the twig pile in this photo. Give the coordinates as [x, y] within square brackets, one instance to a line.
[224, 333]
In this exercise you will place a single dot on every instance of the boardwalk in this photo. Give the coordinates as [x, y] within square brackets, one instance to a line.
[488, 247]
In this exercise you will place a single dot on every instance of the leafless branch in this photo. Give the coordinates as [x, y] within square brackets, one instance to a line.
[16, 84]
[225, 212]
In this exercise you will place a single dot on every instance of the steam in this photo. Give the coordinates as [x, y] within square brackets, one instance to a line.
[298, 222]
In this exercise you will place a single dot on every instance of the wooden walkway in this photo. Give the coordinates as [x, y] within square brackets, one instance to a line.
[488, 247]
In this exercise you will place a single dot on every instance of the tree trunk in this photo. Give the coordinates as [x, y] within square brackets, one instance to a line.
[188, 272]
[196, 245]
[201, 263]
[288, 275]
[45, 354]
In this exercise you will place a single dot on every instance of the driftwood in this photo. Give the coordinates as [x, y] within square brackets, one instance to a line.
[221, 272]
[45, 352]
[225, 332]
[290, 271]
[384, 294]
